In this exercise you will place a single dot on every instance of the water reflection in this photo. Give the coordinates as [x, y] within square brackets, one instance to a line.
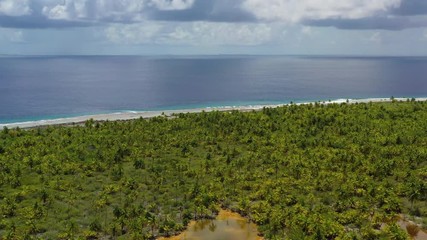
[227, 226]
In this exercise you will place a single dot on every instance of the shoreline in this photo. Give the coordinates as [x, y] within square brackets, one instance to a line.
[130, 115]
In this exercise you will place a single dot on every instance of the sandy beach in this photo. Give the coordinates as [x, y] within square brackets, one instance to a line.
[128, 115]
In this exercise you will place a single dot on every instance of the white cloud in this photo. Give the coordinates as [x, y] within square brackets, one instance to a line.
[173, 4]
[14, 7]
[94, 9]
[306, 30]
[11, 35]
[376, 37]
[196, 34]
[61, 11]
[16, 36]
[294, 11]
[208, 33]
[138, 33]
[117, 10]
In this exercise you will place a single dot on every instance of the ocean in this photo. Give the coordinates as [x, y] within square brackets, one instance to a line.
[48, 87]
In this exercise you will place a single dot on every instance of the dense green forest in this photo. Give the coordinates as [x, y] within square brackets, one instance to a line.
[337, 171]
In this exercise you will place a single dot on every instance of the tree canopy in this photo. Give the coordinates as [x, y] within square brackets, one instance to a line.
[336, 171]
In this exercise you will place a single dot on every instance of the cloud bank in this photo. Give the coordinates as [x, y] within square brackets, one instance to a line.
[190, 33]
[345, 14]
[15, 7]
[297, 10]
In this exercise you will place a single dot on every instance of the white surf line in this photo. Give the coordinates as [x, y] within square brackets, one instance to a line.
[129, 115]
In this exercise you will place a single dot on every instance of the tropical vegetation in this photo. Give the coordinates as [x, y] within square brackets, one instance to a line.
[314, 171]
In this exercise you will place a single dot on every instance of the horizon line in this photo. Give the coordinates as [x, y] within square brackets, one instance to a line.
[201, 55]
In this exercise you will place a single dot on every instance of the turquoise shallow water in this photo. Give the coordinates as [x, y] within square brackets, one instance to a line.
[190, 106]
[36, 88]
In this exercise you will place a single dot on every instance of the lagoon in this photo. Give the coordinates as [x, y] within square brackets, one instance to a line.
[226, 226]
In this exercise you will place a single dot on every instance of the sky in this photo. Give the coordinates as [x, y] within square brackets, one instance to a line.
[193, 27]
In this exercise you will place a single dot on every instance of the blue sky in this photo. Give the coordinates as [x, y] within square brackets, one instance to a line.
[149, 27]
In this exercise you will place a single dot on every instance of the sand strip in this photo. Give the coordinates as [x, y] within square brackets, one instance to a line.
[150, 114]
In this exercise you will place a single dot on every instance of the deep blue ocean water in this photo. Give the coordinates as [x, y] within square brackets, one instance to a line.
[34, 88]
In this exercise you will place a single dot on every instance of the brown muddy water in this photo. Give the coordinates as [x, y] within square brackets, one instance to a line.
[232, 226]
[226, 226]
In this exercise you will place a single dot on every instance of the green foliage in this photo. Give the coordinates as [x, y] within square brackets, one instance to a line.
[396, 233]
[336, 171]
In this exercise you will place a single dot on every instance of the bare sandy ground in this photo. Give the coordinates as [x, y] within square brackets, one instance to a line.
[128, 115]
